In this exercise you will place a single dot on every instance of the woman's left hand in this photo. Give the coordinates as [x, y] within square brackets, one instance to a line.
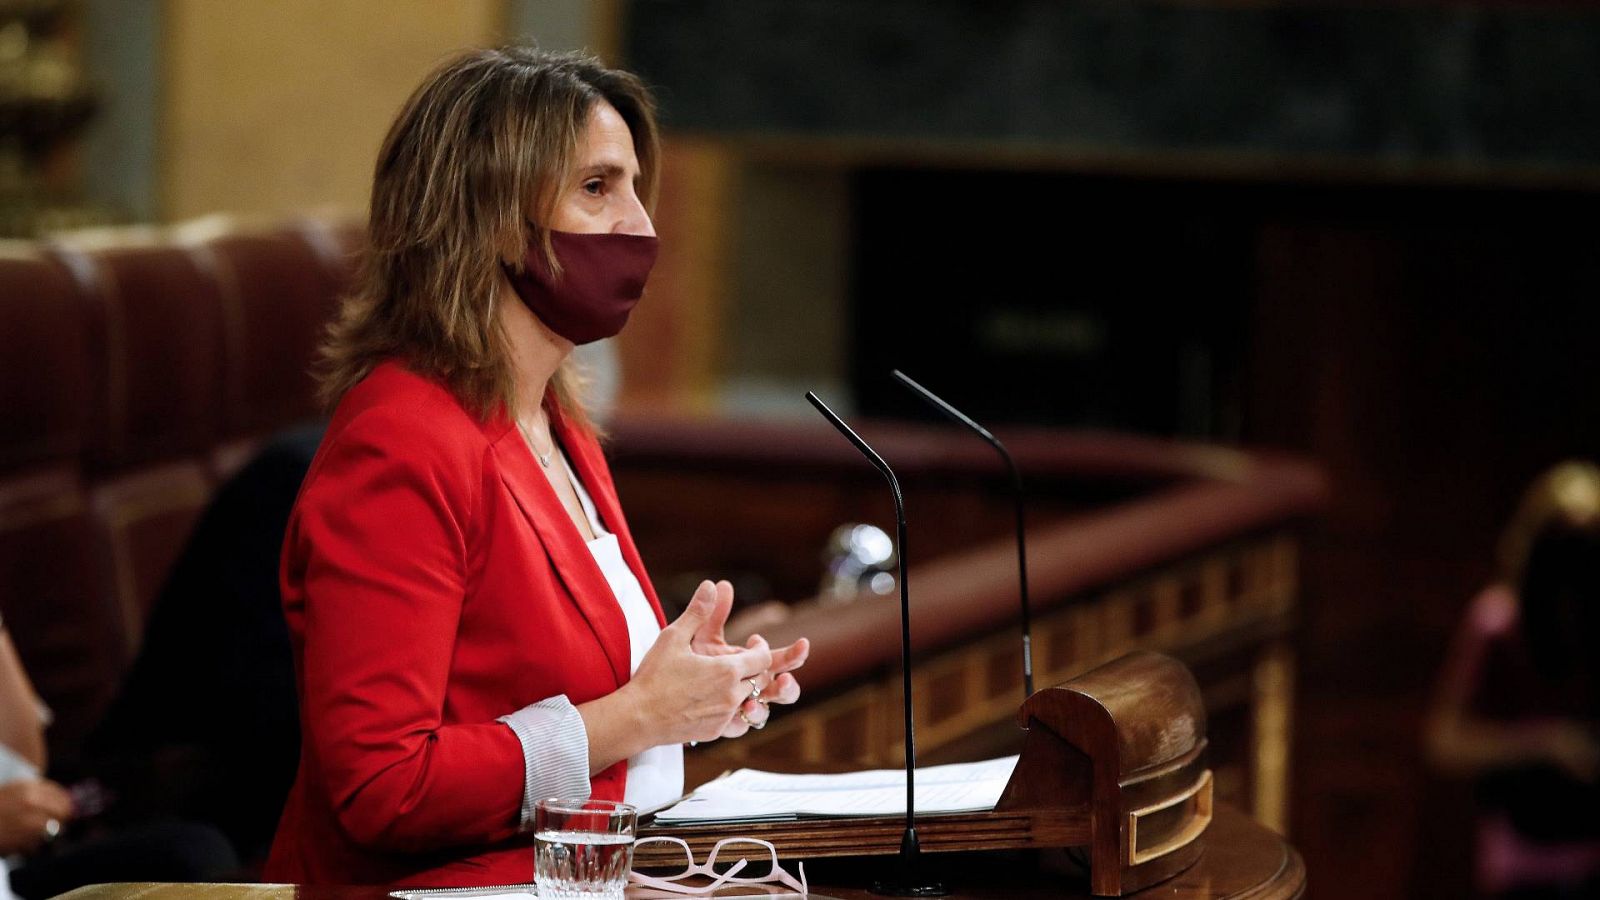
[776, 685]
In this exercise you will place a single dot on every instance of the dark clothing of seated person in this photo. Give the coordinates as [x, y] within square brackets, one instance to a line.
[206, 726]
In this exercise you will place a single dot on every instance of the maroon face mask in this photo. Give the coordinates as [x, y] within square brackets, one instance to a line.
[602, 277]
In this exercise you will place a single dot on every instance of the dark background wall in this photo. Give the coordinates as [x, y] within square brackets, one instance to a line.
[1473, 84]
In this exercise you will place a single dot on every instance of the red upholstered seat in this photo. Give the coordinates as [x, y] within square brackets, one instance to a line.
[142, 520]
[276, 291]
[155, 324]
[137, 366]
[53, 578]
[67, 628]
[44, 366]
[340, 242]
[155, 351]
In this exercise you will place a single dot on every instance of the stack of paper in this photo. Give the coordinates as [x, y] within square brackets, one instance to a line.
[500, 892]
[749, 795]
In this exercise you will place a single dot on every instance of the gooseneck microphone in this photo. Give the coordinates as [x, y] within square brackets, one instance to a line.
[956, 415]
[909, 881]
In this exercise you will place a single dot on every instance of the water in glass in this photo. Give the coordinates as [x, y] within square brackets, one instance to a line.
[582, 865]
[583, 849]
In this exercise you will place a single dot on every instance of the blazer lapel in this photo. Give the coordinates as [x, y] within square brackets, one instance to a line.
[573, 562]
[589, 461]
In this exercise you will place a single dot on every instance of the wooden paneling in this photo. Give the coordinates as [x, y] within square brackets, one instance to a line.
[279, 107]
[671, 351]
[967, 696]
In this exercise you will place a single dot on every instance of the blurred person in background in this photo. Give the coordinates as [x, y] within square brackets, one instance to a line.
[49, 841]
[472, 626]
[1518, 702]
[33, 809]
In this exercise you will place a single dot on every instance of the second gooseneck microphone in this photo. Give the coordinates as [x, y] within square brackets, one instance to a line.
[961, 418]
[909, 881]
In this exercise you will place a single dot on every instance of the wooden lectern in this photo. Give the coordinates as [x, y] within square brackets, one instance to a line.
[1120, 750]
[1114, 761]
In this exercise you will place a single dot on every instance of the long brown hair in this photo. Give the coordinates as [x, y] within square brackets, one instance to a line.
[486, 138]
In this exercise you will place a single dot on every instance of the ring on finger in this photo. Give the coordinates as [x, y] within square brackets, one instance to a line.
[755, 689]
[754, 725]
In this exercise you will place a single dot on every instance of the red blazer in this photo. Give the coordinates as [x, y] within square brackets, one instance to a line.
[432, 582]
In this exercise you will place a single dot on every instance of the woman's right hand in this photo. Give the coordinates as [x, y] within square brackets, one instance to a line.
[687, 696]
[27, 806]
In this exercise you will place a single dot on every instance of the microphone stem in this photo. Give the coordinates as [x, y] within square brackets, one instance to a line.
[1022, 570]
[905, 600]
[910, 881]
[961, 418]
[905, 667]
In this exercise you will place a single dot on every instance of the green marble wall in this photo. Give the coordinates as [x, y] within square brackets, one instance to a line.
[1516, 85]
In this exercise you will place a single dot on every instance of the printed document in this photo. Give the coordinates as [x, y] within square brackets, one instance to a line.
[749, 795]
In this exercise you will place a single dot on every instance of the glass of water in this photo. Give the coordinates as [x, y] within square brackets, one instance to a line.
[583, 849]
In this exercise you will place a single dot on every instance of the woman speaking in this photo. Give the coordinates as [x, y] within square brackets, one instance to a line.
[473, 628]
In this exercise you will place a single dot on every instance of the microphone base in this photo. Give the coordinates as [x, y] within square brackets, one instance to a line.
[909, 878]
[898, 888]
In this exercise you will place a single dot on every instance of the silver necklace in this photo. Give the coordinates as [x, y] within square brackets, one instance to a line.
[546, 457]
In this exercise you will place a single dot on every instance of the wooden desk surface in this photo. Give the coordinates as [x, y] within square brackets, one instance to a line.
[1242, 860]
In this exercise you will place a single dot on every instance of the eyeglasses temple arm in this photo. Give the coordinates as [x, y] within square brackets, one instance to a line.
[663, 885]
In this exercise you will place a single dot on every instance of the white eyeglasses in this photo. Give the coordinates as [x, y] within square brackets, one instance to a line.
[752, 862]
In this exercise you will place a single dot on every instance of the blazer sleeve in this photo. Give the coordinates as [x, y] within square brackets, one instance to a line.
[381, 538]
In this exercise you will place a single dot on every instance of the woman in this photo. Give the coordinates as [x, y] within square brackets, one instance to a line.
[1518, 705]
[473, 628]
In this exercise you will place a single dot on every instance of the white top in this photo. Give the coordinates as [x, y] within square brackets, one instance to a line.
[12, 768]
[655, 776]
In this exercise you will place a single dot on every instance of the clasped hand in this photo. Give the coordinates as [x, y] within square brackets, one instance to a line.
[31, 813]
[699, 687]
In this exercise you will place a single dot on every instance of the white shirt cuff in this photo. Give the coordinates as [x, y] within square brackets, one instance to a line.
[555, 752]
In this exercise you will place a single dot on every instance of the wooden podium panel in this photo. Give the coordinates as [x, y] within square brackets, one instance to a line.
[1114, 761]
[1242, 859]
[880, 835]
